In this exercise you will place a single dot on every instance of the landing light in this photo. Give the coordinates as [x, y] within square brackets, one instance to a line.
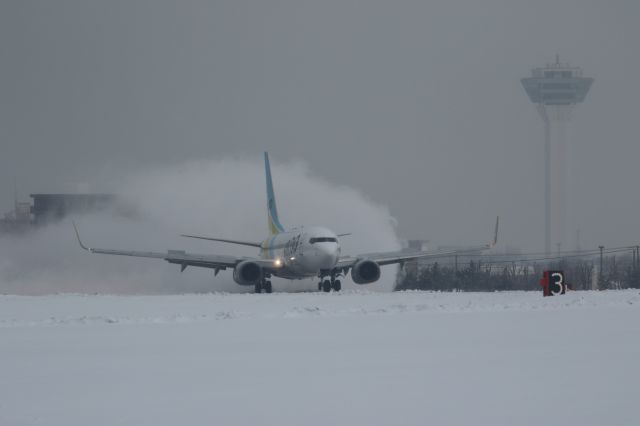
[277, 262]
[292, 258]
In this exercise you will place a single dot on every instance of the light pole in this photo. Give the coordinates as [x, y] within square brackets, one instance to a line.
[600, 275]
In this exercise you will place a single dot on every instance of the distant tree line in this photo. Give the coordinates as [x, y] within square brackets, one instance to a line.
[617, 273]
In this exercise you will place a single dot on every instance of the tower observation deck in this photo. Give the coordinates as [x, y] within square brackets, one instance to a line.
[556, 89]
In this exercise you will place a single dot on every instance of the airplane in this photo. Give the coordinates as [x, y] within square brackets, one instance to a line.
[298, 253]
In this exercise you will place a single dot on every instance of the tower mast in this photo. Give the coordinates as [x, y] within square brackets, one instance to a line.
[556, 89]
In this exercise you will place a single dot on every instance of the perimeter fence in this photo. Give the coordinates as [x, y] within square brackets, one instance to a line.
[615, 268]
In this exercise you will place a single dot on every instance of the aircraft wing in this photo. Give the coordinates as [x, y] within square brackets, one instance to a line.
[388, 258]
[182, 258]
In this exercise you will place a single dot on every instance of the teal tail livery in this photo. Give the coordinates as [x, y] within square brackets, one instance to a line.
[301, 252]
[275, 227]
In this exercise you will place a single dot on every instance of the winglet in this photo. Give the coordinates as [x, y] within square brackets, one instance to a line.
[495, 235]
[78, 236]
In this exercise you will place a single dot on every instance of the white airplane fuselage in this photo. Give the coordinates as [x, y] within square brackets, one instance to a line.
[302, 252]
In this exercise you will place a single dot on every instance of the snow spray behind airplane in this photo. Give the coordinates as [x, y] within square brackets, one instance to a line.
[222, 197]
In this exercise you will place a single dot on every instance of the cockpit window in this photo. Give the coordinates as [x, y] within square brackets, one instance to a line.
[323, 240]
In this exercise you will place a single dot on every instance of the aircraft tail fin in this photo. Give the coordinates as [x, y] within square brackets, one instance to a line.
[275, 227]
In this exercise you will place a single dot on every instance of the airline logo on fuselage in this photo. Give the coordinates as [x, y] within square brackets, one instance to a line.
[291, 246]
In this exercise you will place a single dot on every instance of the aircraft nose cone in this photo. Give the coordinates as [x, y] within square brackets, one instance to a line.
[327, 261]
[327, 257]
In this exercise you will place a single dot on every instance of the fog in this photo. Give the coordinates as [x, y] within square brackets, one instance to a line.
[224, 197]
[416, 104]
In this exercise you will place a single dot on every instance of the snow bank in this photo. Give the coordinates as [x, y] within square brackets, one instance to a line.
[289, 359]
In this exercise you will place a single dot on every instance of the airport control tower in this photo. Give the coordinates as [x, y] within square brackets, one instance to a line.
[556, 89]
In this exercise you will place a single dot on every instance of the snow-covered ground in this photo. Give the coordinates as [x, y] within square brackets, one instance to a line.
[512, 358]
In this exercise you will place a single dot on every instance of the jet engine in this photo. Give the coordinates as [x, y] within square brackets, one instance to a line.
[365, 272]
[247, 273]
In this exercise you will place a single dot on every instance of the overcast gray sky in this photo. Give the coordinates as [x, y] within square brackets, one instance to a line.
[417, 104]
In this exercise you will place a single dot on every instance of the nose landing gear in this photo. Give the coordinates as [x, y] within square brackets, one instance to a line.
[328, 285]
[263, 284]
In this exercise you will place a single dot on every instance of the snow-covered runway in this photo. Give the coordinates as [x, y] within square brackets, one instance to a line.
[312, 358]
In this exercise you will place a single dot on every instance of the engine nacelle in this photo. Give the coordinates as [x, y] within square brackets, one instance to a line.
[365, 272]
[247, 273]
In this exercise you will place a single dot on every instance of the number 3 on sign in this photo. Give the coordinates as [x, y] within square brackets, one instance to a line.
[556, 287]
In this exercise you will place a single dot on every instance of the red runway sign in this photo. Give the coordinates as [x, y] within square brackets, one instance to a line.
[553, 283]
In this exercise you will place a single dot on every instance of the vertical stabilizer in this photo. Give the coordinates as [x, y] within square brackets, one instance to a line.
[274, 223]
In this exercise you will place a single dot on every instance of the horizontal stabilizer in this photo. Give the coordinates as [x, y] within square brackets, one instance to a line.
[223, 240]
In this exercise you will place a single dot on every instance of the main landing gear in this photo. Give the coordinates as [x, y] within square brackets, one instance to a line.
[328, 285]
[263, 285]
